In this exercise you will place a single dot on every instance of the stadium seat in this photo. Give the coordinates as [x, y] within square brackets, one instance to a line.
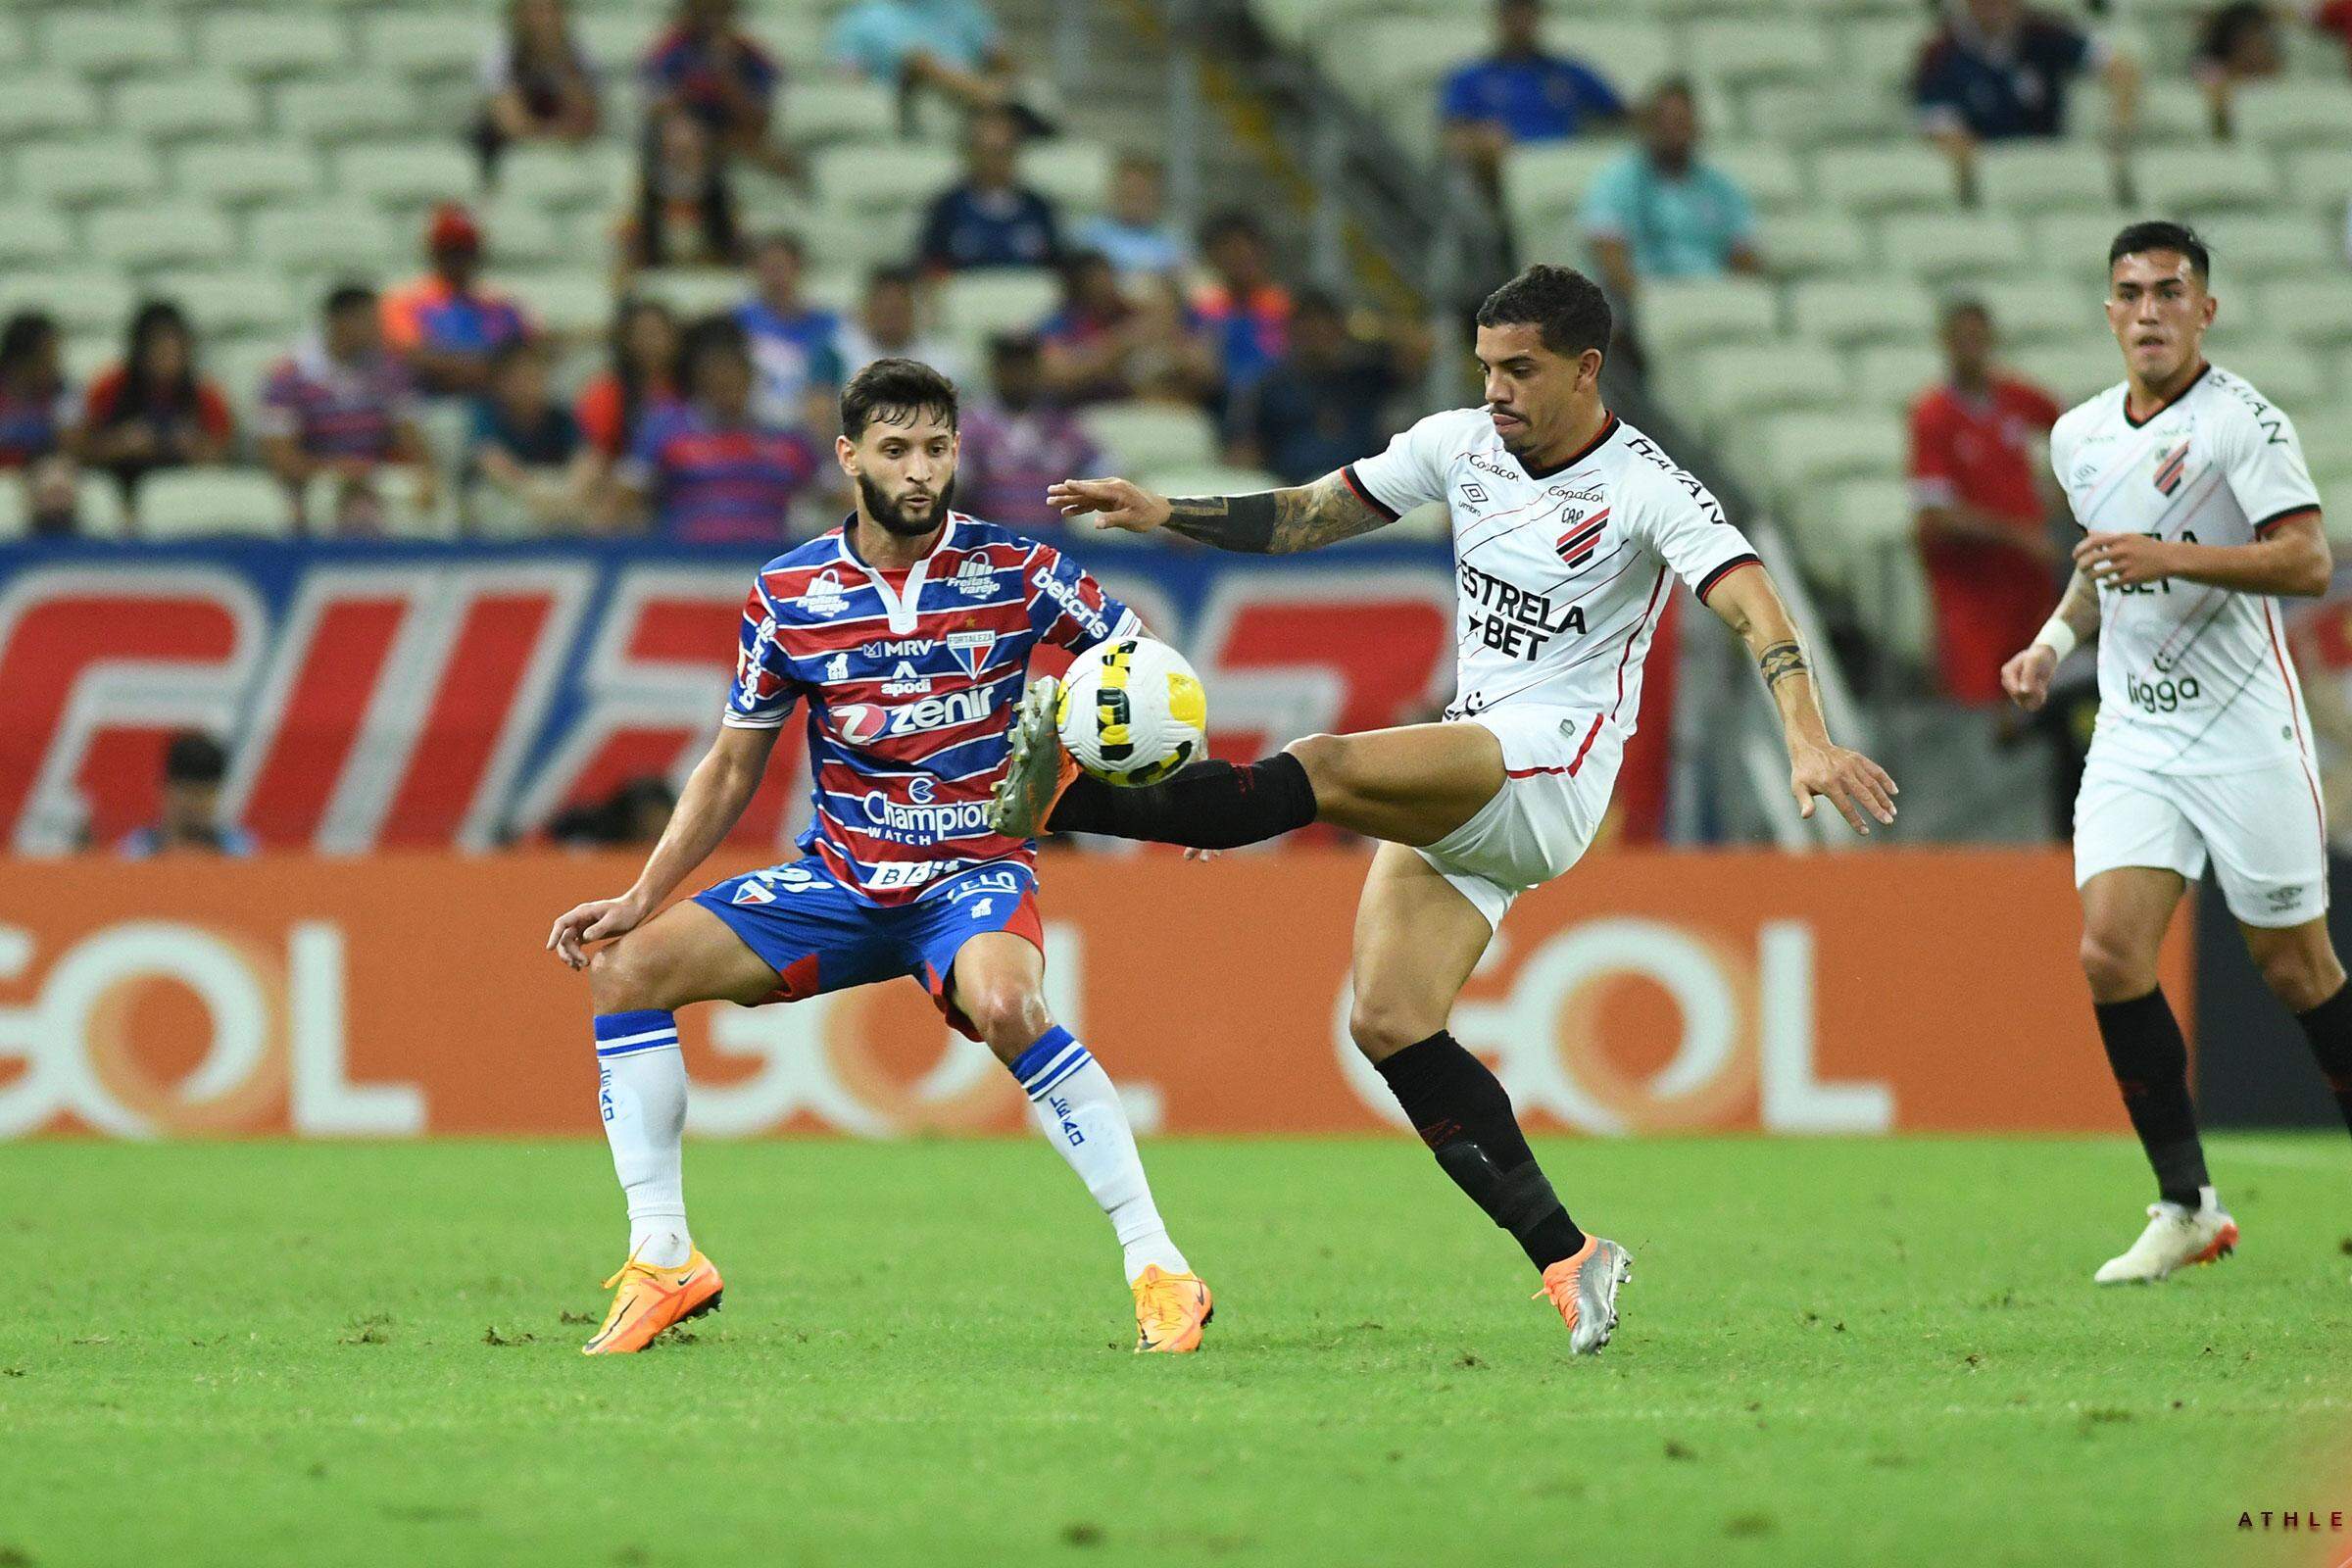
[279, 42]
[2293, 113]
[617, 40]
[2309, 310]
[566, 299]
[135, 238]
[819, 113]
[113, 42]
[1136, 436]
[1880, 178]
[2042, 176]
[326, 238]
[1074, 173]
[1800, 454]
[564, 176]
[1768, 174]
[1544, 184]
[2182, 181]
[1938, 247]
[2285, 373]
[2259, 245]
[864, 178]
[2075, 243]
[2071, 370]
[1854, 523]
[1718, 385]
[2321, 180]
[1883, 49]
[519, 234]
[31, 236]
[223, 303]
[1738, 50]
[82, 301]
[364, 107]
[976, 305]
[83, 173]
[1675, 314]
[2169, 115]
[174, 109]
[1633, 52]
[692, 291]
[2037, 310]
[406, 173]
[1807, 118]
[1848, 312]
[430, 43]
[1892, 375]
[244, 173]
[51, 104]
[1813, 240]
[187, 503]
[241, 366]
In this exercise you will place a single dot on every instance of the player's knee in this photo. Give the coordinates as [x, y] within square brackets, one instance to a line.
[1328, 760]
[1009, 1016]
[619, 980]
[2300, 977]
[1381, 1028]
[2114, 972]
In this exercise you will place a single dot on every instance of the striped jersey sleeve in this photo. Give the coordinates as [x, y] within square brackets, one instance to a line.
[764, 690]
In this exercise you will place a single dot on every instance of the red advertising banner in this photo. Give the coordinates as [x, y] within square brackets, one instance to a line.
[408, 994]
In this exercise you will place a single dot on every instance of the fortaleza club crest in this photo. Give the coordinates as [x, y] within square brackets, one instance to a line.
[971, 650]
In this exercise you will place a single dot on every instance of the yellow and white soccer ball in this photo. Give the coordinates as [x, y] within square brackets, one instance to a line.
[1132, 711]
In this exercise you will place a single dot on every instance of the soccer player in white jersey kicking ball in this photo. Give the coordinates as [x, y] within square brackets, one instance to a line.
[1567, 524]
[2196, 509]
[907, 632]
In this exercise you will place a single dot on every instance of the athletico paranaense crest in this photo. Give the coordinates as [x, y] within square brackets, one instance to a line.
[1583, 537]
[2170, 467]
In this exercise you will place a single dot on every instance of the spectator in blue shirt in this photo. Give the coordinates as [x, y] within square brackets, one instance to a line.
[1521, 93]
[1661, 210]
[948, 47]
[796, 346]
[1135, 236]
[1998, 72]
[189, 818]
[1329, 395]
[991, 219]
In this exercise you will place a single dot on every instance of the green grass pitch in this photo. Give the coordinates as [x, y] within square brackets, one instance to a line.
[1832, 1353]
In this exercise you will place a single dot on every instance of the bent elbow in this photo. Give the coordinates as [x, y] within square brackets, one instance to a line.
[2319, 573]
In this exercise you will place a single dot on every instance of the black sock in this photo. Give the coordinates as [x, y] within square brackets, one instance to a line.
[2328, 1028]
[1461, 1112]
[2151, 1067]
[1208, 806]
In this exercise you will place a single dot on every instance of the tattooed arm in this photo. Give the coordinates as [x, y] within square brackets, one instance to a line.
[1817, 765]
[1265, 522]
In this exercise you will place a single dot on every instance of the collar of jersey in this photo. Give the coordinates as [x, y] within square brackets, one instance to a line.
[901, 606]
[2203, 371]
[1608, 428]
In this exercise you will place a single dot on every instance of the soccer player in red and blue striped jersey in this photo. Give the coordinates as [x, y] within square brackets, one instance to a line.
[907, 632]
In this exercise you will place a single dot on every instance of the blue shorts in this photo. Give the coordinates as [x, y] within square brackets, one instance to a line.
[819, 936]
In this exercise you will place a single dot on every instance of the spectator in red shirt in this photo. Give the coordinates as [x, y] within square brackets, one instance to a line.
[2335, 17]
[153, 411]
[1983, 516]
[645, 374]
[445, 326]
[713, 71]
[1246, 309]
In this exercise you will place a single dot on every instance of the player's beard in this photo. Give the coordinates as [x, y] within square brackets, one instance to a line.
[886, 513]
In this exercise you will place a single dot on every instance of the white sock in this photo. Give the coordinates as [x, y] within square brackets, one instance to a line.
[1078, 1111]
[641, 1092]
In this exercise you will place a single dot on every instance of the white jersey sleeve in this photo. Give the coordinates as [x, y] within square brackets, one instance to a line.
[2262, 462]
[1682, 523]
[1413, 469]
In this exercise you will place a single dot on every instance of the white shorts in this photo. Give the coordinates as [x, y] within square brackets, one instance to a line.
[2263, 829]
[1559, 765]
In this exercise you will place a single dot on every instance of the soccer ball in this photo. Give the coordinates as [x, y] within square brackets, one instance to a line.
[1132, 711]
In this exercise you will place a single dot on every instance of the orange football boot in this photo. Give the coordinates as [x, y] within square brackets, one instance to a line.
[1585, 1289]
[1171, 1310]
[651, 1300]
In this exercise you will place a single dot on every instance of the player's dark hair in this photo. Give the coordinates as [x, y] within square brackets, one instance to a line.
[1567, 306]
[783, 240]
[894, 390]
[894, 275]
[1965, 305]
[2159, 235]
[716, 334]
[194, 757]
[349, 297]
[1232, 222]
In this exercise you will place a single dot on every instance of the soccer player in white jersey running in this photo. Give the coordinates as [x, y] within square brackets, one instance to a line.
[2196, 510]
[1567, 525]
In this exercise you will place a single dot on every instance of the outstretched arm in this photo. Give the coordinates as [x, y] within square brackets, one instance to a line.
[1264, 522]
[1817, 765]
[714, 798]
[2027, 675]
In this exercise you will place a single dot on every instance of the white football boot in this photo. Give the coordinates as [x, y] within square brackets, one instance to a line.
[2176, 1238]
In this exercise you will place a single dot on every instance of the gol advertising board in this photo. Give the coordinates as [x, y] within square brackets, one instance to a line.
[405, 995]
